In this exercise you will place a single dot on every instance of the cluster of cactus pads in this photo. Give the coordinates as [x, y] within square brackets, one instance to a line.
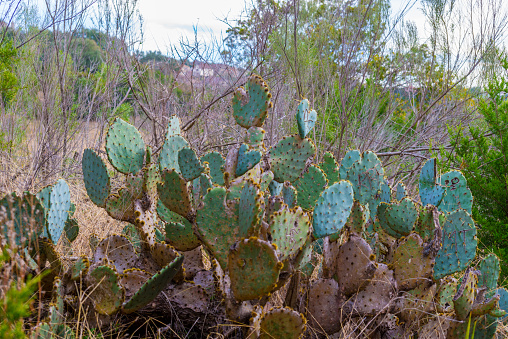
[336, 240]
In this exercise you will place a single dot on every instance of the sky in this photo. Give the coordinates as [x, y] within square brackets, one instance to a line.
[167, 21]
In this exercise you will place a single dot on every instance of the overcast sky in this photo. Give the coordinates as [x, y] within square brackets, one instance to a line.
[166, 21]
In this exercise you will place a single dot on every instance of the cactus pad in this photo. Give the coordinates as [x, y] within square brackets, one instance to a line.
[459, 244]
[289, 194]
[324, 301]
[107, 294]
[125, 147]
[179, 232]
[466, 294]
[331, 168]
[306, 118]
[489, 268]
[255, 137]
[457, 194]
[174, 194]
[445, 294]
[427, 222]
[289, 156]
[153, 286]
[60, 204]
[310, 186]
[168, 157]
[400, 191]
[357, 219]
[121, 206]
[254, 268]
[189, 164]
[118, 251]
[173, 126]
[80, 268]
[332, 209]
[282, 323]
[289, 229]
[163, 253]
[275, 188]
[251, 103]
[266, 180]
[217, 223]
[366, 176]
[251, 208]
[430, 192]
[96, 178]
[349, 159]
[132, 280]
[215, 162]
[398, 219]
[247, 159]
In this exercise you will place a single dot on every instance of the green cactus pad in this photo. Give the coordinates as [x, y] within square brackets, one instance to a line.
[410, 265]
[179, 232]
[251, 103]
[125, 147]
[251, 210]
[275, 188]
[400, 191]
[132, 280]
[121, 206]
[325, 299]
[306, 118]
[398, 219]
[378, 296]
[356, 221]
[331, 168]
[289, 194]
[163, 254]
[253, 268]
[151, 178]
[71, 229]
[118, 251]
[27, 215]
[153, 286]
[189, 164]
[310, 186]
[366, 176]
[131, 233]
[445, 294]
[289, 156]
[466, 294]
[246, 159]
[215, 163]
[332, 209]
[174, 194]
[282, 323]
[254, 137]
[168, 157]
[173, 126]
[96, 178]
[289, 229]
[486, 325]
[60, 203]
[107, 294]
[426, 223]
[417, 303]
[349, 159]
[49, 251]
[382, 195]
[80, 268]
[217, 223]
[354, 265]
[266, 180]
[459, 244]
[457, 194]
[430, 192]
[489, 268]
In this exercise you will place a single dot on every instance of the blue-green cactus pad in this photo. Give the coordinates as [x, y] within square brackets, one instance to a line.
[457, 194]
[266, 180]
[71, 229]
[349, 159]
[332, 209]
[382, 195]
[459, 244]
[96, 178]
[215, 163]
[251, 103]
[217, 223]
[60, 204]
[289, 229]
[125, 147]
[289, 194]
[398, 219]
[247, 159]
[289, 157]
[168, 157]
[331, 168]
[153, 286]
[275, 188]
[189, 164]
[250, 210]
[174, 193]
[489, 268]
[255, 137]
[400, 191]
[430, 192]
[310, 186]
[426, 224]
[173, 126]
[306, 118]
[366, 175]
[28, 216]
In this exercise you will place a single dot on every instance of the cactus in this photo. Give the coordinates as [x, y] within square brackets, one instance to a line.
[398, 219]
[324, 298]
[430, 192]
[400, 191]
[331, 168]
[289, 194]
[189, 164]
[349, 159]
[310, 186]
[179, 232]
[246, 159]
[251, 104]
[457, 194]
[125, 147]
[289, 157]
[289, 229]
[96, 178]
[306, 118]
[282, 323]
[215, 162]
[251, 209]
[174, 193]
[366, 176]
[108, 295]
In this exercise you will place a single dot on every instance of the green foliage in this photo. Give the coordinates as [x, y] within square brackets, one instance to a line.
[8, 80]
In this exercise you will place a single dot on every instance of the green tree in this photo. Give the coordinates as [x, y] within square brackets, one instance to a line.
[8, 80]
[482, 154]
